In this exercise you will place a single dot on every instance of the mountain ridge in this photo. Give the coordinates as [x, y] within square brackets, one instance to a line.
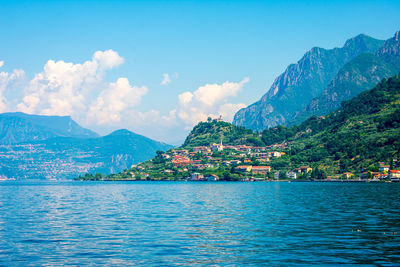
[363, 72]
[301, 82]
[16, 127]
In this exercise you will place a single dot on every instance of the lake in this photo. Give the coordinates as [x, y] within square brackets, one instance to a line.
[196, 223]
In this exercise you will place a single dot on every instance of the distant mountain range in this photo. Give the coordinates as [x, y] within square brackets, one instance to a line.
[20, 127]
[40, 147]
[321, 80]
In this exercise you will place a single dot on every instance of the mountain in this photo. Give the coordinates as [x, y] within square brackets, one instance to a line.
[301, 82]
[57, 147]
[362, 132]
[363, 72]
[20, 127]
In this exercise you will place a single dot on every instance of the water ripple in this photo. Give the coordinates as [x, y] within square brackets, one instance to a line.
[158, 223]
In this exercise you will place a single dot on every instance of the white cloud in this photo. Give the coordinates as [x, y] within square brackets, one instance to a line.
[107, 59]
[166, 80]
[228, 111]
[65, 88]
[1, 63]
[185, 98]
[9, 82]
[209, 100]
[119, 97]
[210, 94]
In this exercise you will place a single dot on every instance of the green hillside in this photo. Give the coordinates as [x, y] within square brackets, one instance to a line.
[206, 133]
[363, 132]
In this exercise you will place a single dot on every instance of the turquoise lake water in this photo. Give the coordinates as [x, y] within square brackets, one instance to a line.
[183, 223]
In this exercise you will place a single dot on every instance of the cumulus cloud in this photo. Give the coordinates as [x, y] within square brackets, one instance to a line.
[9, 82]
[228, 111]
[107, 59]
[64, 88]
[1, 63]
[209, 100]
[80, 90]
[119, 97]
[166, 80]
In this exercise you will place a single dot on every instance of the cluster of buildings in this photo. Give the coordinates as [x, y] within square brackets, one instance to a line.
[200, 157]
[385, 172]
[248, 163]
[198, 162]
[200, 177]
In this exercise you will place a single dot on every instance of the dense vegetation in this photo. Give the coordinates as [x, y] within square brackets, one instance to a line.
[363, 132]
[206, 133]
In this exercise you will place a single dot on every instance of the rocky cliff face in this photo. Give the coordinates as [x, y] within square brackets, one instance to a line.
[364, 72]
[301, 82]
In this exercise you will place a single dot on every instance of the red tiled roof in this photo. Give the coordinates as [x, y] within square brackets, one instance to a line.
[261, 167]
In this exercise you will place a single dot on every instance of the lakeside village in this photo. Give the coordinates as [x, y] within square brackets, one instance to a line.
[218, 162]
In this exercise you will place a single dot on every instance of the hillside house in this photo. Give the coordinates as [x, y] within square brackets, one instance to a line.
[260, 169]
[275, 154]
[375, 175]
[180, 152]
[394, 174]
[196, 176]
[291, 175]
[347, 175]
[384, 168]
[303, 169]
[243, 168]
[179, 161]
[217, 147]
[201, 149]
[264, 160]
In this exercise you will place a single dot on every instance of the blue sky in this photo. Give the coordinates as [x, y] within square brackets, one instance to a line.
[197, 43]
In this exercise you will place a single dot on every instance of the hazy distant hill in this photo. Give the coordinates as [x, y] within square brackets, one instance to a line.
[301, 82]
[57, 147]
[20, 127]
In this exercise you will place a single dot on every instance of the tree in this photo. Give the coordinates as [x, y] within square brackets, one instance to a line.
[282, 175]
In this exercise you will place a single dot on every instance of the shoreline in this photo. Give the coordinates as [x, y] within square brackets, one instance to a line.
[281, 181]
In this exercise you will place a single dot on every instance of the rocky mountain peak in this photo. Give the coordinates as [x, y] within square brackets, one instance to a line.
[391, 47]
[357, 40]
[301, 82]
